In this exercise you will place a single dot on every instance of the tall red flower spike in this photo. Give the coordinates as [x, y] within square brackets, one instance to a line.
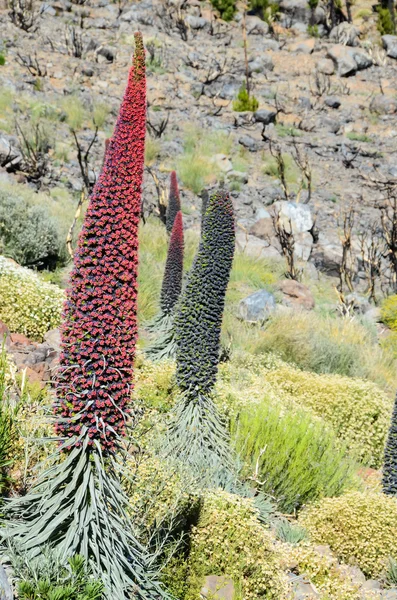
[172, 280]
[174, 203]
[99, 322]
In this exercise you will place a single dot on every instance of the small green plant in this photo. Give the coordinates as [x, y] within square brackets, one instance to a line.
[267, 10]
[292, 457]
[290, 533]
[284, 131]
[2, 59]
[358, 137]
[47, 579]
[244, 101]
[313, 31]
[227, 8]
[7, 424]
[391, 572]
[385, 23]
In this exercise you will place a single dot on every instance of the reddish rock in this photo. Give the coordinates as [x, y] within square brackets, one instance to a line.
[296, 294]
[19, 338]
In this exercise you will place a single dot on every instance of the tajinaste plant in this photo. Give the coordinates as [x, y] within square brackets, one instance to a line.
[389, 480]
[163, 324]
[77, 506]
[198, 434]
[174, 203]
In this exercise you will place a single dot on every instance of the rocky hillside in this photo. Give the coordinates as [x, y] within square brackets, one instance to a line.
[325, 107]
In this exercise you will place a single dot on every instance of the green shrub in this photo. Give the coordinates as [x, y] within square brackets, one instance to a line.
[385, 22]
[33, 227]
[2, 59]
[266, 9]
[27, 304]
[361, 528]
[290, 533]
[329, 345]
[389, 312]
[27, 234]
[244, 101]
[45, 578]
[358, 411]
[333, 581]
[296, 456]
[227, 8]
[229, 540]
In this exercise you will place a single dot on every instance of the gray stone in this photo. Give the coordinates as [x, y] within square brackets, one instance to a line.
[261, 64]
[265, 116]
[303, 245]
[390, 45]
[248, 142]
[349, 60]
[222, 162]
[53, 339]
[87, 71]
[325, 66]
[359, 303]
[256, 26]
[196, 22]
[257, 307]
[328, 123]
[5, 588]
[108, 52]
[332, 101]
[302, 588]
[305, 103]
[371, 584]
[345, 33]
[297, 217]
[303, 47]
[238, 176]
[383, 105]
[390, 594]
[217, 587]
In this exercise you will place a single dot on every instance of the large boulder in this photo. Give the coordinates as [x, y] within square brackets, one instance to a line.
[294, 216]
[349, 60]
[383, 105]
[345, 33]
[257, 307]
[296, 295]
[390, 45]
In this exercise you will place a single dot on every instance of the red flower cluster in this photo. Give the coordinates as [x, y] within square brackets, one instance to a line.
[100, 328]
[172, 280]
[174, 203]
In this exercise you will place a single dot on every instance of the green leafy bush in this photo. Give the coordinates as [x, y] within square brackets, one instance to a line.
[290, 533]
[30, 233]
[358, 411]
[229, 540]
[27, 304]
[389, 312]
[244, 101]
[385, 22]
[361, 528]
[45, 578]
[296, 456]
[27, 234]
[227, 8]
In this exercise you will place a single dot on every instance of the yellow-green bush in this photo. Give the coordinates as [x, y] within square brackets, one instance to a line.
[389, 312]
[331, 579]
[229, 540]
[361, 528]
[28, 305]
[359, 411]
